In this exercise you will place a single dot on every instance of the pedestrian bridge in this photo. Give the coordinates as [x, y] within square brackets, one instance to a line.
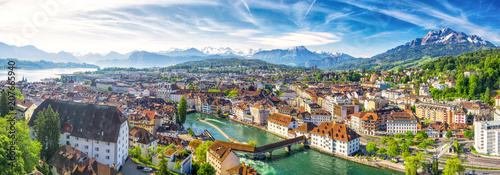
[261, 151]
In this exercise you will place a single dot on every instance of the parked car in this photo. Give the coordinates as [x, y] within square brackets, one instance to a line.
[147, 169]
[140, 166]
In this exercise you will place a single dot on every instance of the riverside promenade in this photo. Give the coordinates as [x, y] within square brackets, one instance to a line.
[220, 130]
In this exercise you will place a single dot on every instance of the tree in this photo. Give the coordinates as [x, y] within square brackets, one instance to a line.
[164, 167]
[409, 135]
[430, 141]
[422, 145]
[473, 80]
[4, 104]
[449, 134]
[182, 110]
[398, 135]
[381, 151]
[393, 151]
[453, 166]
[206, 169]
[218, 112]
[486, 98]
[371, 147]
[27, 150]
[413, 163]
[252, 142]
[201, 151]
[469, 134]
[109, 88]
[422, 135]
[46, 131]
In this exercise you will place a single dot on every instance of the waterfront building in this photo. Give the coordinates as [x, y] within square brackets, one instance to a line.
[97, 130]
[221, 158]
[259, 114]
[364, 122]
[487, 137]
[401, 122]
[335, 138]
[280, 124]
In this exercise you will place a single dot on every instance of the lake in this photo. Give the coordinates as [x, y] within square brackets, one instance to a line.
[37, 75]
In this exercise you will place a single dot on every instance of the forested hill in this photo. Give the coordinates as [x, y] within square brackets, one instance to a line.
[482, 74]
[230, 62]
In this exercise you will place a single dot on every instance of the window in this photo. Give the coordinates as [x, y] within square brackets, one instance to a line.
[67, 136]
[107, 157]
[97, 149]
[67, 143]
[77, 138]
[97, 142]
[96, 155]
[86, 147]
[107, 150]
[76, 145]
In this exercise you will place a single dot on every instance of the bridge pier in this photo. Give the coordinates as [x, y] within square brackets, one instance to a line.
[288, 148]
[270, 153]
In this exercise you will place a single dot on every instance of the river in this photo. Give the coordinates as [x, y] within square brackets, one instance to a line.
[37, 75]
[299, 161]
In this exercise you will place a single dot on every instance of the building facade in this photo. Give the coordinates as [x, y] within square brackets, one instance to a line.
[487, 137]
[401, 122]
[335, 138]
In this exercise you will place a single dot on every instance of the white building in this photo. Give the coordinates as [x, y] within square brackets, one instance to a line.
[401, 122]
[320, 116]
[164, 91]
[335, 138]
[487, 137]
[99, 131]
[280, 124]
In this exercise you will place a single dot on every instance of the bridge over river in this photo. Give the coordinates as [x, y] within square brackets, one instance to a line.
[262, 151]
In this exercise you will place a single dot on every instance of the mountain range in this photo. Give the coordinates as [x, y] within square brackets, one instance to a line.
[435, 44]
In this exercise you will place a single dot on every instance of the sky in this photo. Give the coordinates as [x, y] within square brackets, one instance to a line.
[361, 28]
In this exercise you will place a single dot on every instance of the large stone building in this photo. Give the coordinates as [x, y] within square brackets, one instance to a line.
[259, 114]
[280, 124]
[401, 122]
[335, 138]
[97, 130]
[433, 112]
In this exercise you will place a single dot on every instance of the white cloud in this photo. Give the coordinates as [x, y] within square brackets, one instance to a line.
[305, 38]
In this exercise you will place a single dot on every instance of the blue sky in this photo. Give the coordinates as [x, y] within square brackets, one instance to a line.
[360, 28]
